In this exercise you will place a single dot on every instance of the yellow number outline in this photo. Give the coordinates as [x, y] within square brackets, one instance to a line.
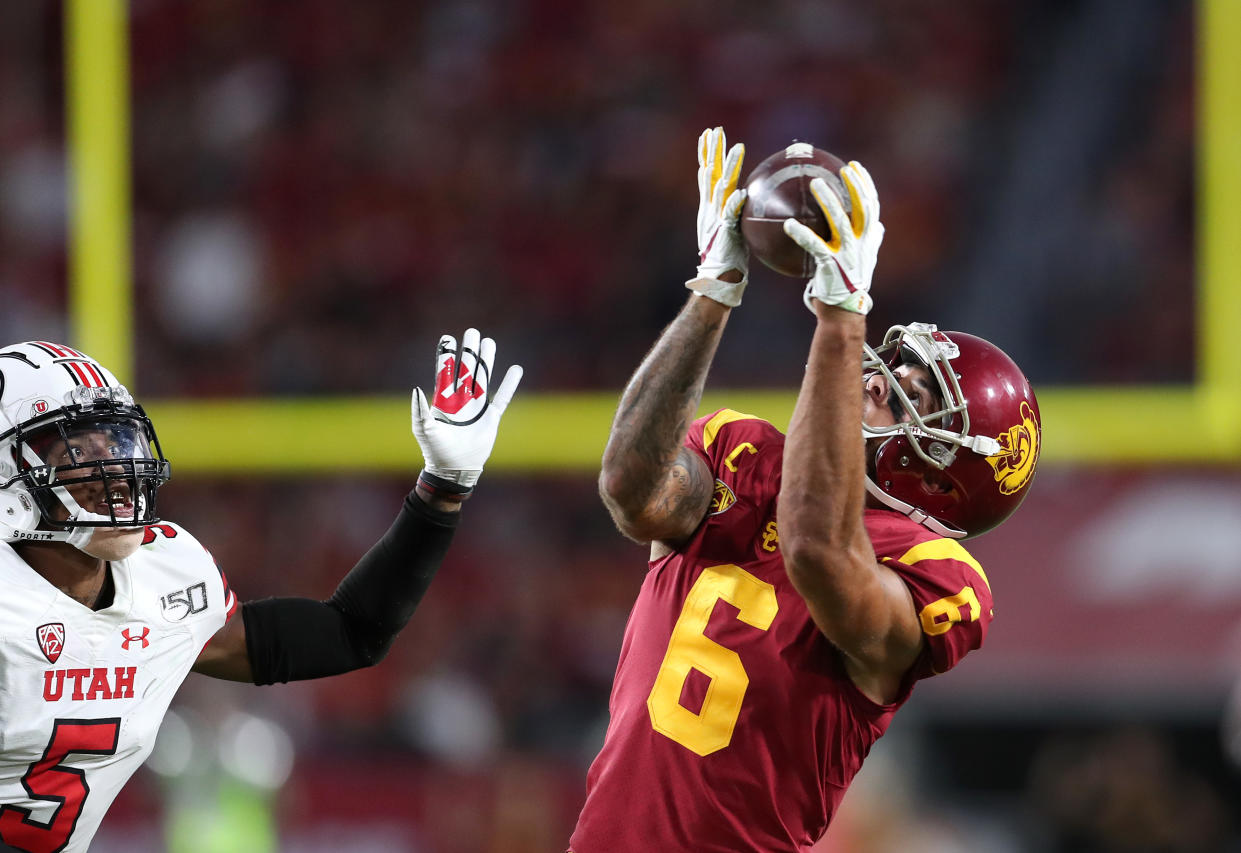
[711, 728]
[950, 606]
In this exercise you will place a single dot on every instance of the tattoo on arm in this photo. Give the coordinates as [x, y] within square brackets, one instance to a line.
[646, 472]
[686, 491]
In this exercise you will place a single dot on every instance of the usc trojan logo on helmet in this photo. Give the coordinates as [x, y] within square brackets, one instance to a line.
[1014, 463]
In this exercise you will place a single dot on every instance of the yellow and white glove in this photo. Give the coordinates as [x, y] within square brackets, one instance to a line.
[845, 263]
[458, 430]
[720, 245]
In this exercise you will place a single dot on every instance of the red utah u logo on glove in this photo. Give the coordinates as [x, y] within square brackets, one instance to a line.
[462, 377]
[454, 388]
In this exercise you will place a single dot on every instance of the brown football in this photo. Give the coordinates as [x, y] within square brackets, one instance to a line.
[779, 187]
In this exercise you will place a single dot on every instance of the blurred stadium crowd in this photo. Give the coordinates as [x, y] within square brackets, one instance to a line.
[317, 192]
[321, 188]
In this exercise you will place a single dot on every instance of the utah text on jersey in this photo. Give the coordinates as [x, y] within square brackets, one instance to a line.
[82, 691]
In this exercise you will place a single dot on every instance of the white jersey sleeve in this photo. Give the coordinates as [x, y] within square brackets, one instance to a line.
[83, 692]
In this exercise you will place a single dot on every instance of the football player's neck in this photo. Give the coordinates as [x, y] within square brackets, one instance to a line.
[80, 576]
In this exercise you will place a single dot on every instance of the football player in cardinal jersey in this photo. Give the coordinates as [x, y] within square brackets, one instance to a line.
[798, 586]
[107, 608]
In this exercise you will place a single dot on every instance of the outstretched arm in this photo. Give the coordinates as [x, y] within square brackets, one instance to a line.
[863, 607]
[288, 639]
[656, 489]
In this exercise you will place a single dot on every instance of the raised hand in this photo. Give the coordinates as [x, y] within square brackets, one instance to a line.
[721, 249]
[457, 430]
[845, 260]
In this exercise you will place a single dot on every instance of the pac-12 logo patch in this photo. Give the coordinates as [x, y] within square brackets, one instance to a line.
[51, 639]
[1014, 463]
[722, 499]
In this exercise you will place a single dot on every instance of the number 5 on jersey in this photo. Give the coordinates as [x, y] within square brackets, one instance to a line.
[711, 728]
[50, 779]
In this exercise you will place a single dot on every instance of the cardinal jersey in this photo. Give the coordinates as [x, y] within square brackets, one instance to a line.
[734, 726]
[82, 693]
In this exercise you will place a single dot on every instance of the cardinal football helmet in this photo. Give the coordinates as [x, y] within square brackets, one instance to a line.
[67, 428]
[964, 468]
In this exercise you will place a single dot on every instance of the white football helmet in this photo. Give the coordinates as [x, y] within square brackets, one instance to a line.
[76, 452]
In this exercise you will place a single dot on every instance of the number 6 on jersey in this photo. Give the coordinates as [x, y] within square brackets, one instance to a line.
[711, 729]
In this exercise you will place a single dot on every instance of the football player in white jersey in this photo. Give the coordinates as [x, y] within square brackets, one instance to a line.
[106, 608]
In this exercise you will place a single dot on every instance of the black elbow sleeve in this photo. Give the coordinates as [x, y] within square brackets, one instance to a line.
[290, 639]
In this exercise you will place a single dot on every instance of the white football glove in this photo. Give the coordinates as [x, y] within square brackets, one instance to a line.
[457, 432]
[845, 264]
[720, 245]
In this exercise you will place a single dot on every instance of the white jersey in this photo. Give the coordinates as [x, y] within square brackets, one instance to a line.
[82, 692]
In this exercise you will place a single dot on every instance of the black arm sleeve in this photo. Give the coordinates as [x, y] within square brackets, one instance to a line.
[290, 639]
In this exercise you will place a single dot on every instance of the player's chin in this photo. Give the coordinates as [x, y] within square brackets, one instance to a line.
[114, 543]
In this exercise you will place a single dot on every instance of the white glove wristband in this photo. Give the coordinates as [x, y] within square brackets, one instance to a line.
[724, 292]
[859, 302]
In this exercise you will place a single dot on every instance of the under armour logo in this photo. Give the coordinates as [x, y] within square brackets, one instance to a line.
[140, 638]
